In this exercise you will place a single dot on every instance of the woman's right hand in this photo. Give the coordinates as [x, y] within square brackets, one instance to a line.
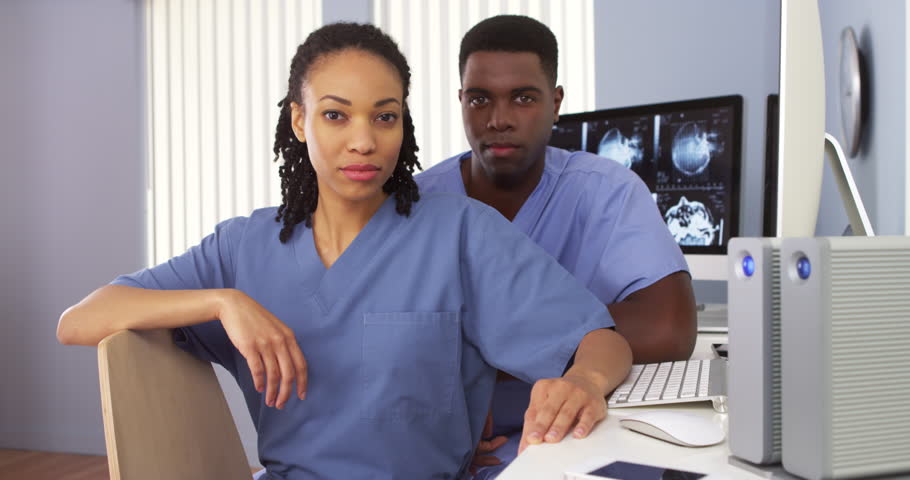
[268, 345]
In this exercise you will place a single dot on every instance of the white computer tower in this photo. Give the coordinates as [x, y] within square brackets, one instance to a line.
[845, 317]
[753, 381]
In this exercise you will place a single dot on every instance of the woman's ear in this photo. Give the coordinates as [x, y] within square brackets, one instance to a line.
[297, 122]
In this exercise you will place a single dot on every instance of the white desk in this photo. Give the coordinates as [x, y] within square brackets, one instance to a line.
[549, 461]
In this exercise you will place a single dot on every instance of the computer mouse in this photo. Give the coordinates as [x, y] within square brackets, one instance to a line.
[680, 428]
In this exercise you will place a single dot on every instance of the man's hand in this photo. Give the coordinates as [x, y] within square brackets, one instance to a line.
[560, 405]
[481, 459]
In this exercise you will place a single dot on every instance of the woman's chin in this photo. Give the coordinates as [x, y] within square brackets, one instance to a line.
[363, 194]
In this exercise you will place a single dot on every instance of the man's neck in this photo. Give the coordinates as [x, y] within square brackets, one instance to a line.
[505, 195]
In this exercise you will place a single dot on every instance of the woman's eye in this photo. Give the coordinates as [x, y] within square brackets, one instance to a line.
[332, 115]
[387, 117]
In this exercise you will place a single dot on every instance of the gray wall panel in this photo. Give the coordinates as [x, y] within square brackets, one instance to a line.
[73, 186]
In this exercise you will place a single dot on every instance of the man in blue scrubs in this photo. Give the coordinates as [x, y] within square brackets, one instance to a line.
[594, 216]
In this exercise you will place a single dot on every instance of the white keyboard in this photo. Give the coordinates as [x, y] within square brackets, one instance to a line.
[673, 382]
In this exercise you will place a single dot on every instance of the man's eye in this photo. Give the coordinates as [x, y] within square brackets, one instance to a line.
[477, 101]
[524, 99]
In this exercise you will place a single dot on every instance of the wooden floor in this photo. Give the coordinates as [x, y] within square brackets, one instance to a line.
[31, 465]
[15, 464]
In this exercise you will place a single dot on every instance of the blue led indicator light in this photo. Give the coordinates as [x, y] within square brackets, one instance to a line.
[803, 267]
[748, 266]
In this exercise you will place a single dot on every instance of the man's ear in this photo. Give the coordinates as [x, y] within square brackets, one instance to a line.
[460, 91]
[297, 121]
[558, 95]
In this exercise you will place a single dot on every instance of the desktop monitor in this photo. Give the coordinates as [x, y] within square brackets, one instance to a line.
[688, 153]
[801, 121]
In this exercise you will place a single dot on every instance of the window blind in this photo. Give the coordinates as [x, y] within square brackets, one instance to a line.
[215, 72]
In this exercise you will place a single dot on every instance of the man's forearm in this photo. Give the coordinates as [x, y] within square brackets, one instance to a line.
[659, 320]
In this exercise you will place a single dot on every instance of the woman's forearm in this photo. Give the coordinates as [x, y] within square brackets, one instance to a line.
[115, 307]
[604, 358]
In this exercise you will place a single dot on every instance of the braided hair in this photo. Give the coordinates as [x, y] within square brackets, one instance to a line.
[299, 190]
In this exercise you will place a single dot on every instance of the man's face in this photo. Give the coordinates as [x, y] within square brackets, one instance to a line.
[508, 106]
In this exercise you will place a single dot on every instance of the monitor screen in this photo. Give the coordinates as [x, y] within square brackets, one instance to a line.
[687, 153]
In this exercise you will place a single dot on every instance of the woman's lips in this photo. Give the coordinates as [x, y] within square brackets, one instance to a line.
[361, 173]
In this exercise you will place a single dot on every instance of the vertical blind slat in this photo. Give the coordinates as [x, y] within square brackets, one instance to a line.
[150, 127]
[452, 83]
[177, 177]
[162, 138]
[190, 112]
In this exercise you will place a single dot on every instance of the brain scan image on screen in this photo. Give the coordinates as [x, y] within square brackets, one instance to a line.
[628, 141]
[692, 224]
[693, 149]
[687, 153]
[616, 146]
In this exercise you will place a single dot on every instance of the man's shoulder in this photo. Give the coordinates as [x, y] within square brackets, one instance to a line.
[576, 170]
[442, 177]
[438, 205]
[589, 163]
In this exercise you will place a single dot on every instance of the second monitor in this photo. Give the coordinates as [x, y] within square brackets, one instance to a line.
[688, 154]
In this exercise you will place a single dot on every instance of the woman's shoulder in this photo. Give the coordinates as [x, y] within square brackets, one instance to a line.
[260, 222]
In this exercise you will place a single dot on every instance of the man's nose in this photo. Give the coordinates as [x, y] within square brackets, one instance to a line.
[501, 118]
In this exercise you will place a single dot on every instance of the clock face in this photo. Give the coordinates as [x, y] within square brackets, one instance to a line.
[851, 100]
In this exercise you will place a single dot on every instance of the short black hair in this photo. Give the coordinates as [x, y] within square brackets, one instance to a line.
[299, 190]
[512, 33]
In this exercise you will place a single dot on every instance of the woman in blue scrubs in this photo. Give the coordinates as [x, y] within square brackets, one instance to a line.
[389, 312]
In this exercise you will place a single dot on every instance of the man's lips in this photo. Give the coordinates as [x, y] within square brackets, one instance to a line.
[500, 149]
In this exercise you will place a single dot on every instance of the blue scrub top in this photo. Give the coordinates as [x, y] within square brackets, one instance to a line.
[402, 335]
[597, 219]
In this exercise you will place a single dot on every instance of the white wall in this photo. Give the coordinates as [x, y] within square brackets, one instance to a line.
[71, 144]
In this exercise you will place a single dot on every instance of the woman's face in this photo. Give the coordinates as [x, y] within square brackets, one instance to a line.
[351, 121]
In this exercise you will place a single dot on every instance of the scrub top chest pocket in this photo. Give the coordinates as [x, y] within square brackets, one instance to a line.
[410, 364]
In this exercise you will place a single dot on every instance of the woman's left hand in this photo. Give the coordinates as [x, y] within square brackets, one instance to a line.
[573, 403]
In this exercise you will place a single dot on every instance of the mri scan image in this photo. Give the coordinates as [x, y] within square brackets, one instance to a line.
[693, 148]
[691, 223]
[628, 141]
[616, 146]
